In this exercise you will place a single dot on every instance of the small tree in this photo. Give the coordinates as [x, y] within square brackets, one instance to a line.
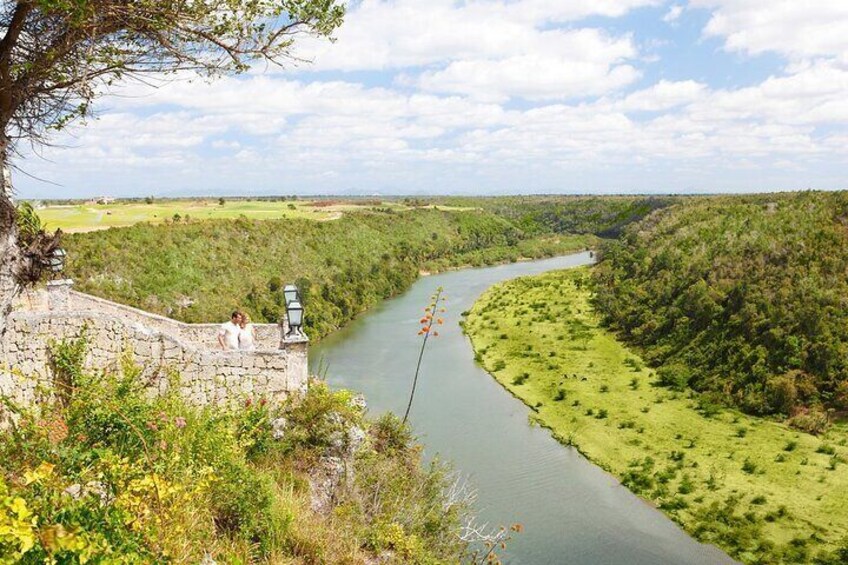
[431, 318]
[57, 56]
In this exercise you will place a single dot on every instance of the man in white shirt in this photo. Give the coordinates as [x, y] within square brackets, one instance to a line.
[228, 334]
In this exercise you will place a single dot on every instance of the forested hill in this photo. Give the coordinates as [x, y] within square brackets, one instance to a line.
[200, 271]
[604, 216]
[743, 297]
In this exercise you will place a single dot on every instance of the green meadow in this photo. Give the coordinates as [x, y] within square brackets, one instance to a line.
[84, 217]
[760, 490]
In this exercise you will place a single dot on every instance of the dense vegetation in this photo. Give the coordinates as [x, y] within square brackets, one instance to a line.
[745, 298]
[604, 216]
[760, 490]
[103, 474]
[200, 271]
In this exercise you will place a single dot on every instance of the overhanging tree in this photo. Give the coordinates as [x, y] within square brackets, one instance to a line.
[57, 56]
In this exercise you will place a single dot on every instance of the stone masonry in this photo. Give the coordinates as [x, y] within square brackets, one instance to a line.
[173, 355]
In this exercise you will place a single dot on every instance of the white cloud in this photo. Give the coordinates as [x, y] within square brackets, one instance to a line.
[664, 95]
[673, 14]
[496, 49]
[580, 64]
[795, 28]
[487, 94]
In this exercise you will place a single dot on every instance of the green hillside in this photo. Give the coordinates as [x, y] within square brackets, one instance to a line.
[745, 298]
[201, 270]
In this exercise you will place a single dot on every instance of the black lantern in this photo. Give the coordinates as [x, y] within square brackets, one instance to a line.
[294, 313]
[290, 293]
[56, 262]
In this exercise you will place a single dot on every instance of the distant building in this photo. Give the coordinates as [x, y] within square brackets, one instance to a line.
[100, 200]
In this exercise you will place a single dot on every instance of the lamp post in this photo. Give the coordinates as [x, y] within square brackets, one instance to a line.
[58, 291]
[56, 262]
[290, 293]
[294, 313]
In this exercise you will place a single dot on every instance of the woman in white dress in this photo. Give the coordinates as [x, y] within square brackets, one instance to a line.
[247, 334]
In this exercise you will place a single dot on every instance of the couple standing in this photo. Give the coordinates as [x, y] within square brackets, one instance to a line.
[238, 333]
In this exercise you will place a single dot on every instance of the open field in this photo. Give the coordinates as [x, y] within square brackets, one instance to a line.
[760, 490]
[76, 218]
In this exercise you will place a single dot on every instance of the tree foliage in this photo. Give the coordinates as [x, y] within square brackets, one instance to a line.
[56, 56]
[341, 267]
[745, 297]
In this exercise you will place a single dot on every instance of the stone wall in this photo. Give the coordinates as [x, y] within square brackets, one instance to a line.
[268, 336]
[172, 354]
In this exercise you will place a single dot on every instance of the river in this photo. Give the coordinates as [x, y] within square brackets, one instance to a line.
[571, 510]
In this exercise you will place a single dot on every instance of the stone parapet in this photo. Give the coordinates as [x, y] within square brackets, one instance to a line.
[172, 354]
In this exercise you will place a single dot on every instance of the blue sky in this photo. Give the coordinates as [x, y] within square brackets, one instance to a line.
[493, 96]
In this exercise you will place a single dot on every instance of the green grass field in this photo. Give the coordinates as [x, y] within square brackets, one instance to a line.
[90, 217]
[760, 490]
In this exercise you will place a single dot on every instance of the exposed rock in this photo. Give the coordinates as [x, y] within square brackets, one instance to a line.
[359, 402]
[278, 428]
[355, 439]
[324, 482]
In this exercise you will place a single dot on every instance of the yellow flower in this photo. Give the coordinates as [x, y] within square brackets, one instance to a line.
[43, 471]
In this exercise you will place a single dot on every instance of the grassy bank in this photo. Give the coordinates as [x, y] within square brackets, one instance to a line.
[201, 270]
[758, 489]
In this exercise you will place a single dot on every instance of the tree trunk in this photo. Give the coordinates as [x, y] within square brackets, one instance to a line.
[11, 257]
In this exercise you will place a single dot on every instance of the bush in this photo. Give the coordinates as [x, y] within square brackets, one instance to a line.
[674, 376]
[115, 476]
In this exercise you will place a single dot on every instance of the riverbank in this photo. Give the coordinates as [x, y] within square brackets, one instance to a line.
[758, 489]
[202, 270]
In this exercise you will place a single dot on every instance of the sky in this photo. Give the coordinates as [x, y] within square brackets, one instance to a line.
[492, 97]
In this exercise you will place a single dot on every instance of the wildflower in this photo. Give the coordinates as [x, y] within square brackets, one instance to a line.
[180, 422]
[248, 403]
[152, 426]
[263, 401]
[163, 445]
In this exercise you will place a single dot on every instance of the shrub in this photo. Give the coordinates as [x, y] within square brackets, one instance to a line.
[675, 376]
[118, 476]
[826, 449]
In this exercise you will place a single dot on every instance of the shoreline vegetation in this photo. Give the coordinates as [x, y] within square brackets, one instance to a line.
[198, 270]
[758, 489]
[107, 473]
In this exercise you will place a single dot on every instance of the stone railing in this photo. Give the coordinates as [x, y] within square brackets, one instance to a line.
[172, 354]
[268, 336]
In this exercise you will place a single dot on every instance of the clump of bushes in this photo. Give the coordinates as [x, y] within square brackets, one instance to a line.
[106, 473]
[520, 379]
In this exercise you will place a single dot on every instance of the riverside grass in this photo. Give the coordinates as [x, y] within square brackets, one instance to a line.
[763, 492]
